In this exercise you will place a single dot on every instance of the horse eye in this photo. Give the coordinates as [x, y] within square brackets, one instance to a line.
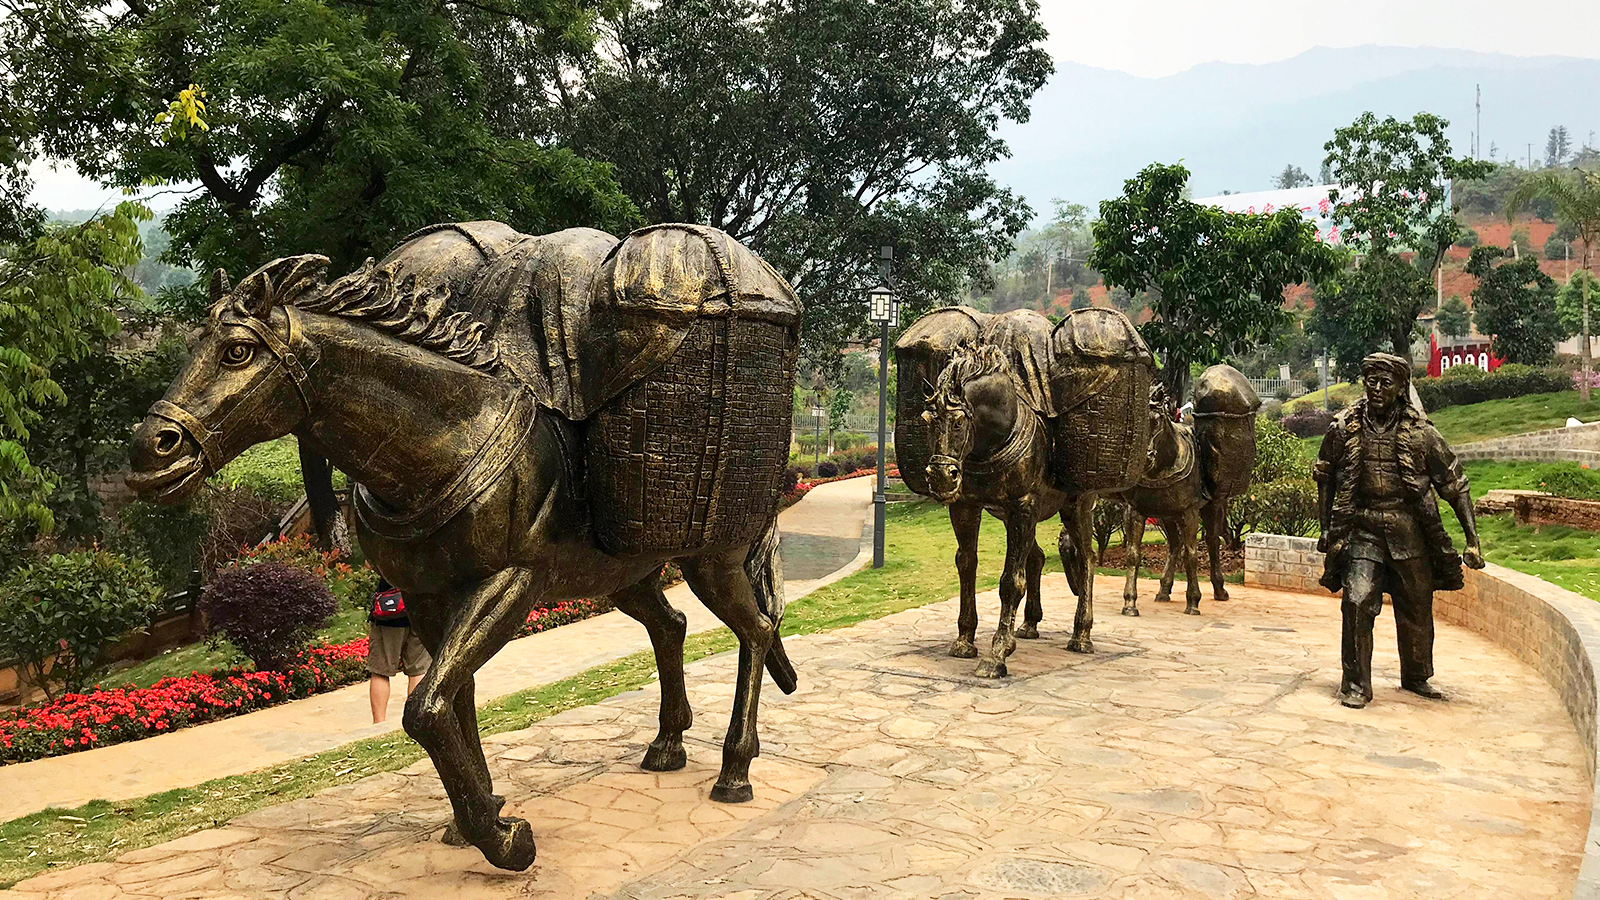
[238, 354]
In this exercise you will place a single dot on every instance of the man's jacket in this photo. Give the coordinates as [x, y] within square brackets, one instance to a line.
[1426, 464]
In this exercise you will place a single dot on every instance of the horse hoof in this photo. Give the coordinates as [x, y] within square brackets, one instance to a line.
[664, 758]
[1130, 610]
[962, 648]
[453, 835]
[1080, 645]
[988, 668]
[1163, 598]
[1192, 609]
[512, 846]
[733, 793]
[1029, 630]
[1221, 596]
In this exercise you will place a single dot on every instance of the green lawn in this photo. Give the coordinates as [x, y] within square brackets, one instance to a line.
[1342, 391]
[347, 625]
[1515, 415]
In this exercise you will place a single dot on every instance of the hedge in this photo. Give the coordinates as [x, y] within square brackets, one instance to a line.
[1462, 385]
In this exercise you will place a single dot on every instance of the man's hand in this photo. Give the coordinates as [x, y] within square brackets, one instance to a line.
[1473, 557]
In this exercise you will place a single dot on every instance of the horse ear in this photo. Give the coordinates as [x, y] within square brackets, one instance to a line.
[220, 285]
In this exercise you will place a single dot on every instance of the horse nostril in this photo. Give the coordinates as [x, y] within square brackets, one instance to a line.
[168, 440]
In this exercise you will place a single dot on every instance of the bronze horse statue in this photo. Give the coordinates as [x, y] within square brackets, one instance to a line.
[990, 451]
[1194, 473]
[480, 500]
[1028, 422]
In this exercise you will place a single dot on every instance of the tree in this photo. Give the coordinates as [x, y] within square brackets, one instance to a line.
[1557, 146]
[1354, 311]
[59, 615]
[840, 402]
[1454, 318]
[1516, 304]
[1393, 193]
[1292, 176]
[817, 131]
[1569, 299]
[1577, 201]
[1215, 278]
[57, 293]
[322, 125]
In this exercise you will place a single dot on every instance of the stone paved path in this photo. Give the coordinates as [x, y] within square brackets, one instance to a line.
[1188, 758]
[822, 541]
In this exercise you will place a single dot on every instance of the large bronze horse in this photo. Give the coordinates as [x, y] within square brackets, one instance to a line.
[473, 497]
[1042, 421]
[990, 451]
[1194, 473]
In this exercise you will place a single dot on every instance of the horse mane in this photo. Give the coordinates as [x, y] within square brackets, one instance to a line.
[373, 295]
[969, 362]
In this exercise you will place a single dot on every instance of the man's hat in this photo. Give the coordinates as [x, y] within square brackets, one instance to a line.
[1394, 365]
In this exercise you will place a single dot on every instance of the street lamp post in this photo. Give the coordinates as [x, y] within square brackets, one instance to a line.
[885, 310]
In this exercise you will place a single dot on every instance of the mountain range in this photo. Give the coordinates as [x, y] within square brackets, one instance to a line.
[1236, 126]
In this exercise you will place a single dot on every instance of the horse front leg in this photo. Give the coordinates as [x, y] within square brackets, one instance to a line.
[440, 710]
[719, 580]
[1019, 544]
[1216, 525]
[1169, 574]
[1132, 551]
[1081, 526]
[667, 627]
[966, 520]
[1190, 535]
[1033, 605]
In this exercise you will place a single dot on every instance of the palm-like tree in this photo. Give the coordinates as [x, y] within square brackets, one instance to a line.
[1577, 200]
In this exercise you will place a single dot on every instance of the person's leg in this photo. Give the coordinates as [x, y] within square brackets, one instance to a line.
[1413, 621]
[378, 693]
[1363, 599]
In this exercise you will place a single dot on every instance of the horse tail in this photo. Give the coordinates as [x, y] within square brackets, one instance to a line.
[764, 567]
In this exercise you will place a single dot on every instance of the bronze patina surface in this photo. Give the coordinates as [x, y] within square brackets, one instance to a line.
[529, 419]
[1380, 466]
[1194, 473]
[1004, 413]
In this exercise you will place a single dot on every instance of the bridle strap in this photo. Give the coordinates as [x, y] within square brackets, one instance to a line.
[284, 351]
[205, 437]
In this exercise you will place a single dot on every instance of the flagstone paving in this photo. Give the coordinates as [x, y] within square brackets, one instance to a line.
[1190, 757]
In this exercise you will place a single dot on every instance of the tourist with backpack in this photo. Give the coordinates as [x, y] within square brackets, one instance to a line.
[392, 648]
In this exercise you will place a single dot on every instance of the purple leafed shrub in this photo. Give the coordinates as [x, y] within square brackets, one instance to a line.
[1310, 422]
[268, 611]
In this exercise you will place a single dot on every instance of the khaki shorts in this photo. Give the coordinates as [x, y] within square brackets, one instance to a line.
[391, 650]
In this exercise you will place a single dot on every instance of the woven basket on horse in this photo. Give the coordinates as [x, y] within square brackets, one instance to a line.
[920, 355]
[690, 451]
[1225, 407]
[1100, 385]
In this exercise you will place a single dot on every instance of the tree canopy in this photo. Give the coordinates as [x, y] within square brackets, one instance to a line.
[816, 132]
[1576, 198]
[1516, 304]
[1454, 318]
[1215, 278]
[333, 126]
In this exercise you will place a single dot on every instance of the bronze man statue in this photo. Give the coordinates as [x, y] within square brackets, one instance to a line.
[1380, 465]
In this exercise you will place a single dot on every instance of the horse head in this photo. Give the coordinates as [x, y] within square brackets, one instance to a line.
[246, 382]
[973, 404]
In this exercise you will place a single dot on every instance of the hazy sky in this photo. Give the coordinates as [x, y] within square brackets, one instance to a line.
[1153, 38]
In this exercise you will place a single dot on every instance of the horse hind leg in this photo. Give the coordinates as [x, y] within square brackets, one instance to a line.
[438, 712]
[1215, 522]
[1189, 532]
[719, 580]
[1174, 534]
[646, 603]
[1077, 530]
[1033, 608]
[1132, 550]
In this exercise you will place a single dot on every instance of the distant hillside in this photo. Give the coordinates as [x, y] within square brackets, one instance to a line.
[1235, 126]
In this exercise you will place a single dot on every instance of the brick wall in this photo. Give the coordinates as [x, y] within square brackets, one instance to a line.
[1551, 629]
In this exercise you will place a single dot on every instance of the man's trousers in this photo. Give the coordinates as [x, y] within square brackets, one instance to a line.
[1409, 583]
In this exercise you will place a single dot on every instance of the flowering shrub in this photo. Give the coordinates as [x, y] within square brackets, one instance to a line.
[113, 716]
[351, 586]
[1594, 379]
[269, 611]
[804, 486]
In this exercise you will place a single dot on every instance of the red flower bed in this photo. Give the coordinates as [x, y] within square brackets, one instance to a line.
[112, 716]
[802, 488]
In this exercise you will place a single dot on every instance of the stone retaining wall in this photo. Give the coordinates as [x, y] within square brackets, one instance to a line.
[1551, 629]
[1580, 444]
